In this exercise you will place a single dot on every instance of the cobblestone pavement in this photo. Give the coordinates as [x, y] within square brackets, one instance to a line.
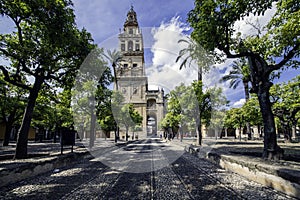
[181, 177]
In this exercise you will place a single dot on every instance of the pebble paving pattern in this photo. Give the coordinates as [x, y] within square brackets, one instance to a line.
[188, 177]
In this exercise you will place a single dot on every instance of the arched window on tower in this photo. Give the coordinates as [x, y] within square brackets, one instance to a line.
[130, 45]
[137, 47]
[122, 47]
[130, 31]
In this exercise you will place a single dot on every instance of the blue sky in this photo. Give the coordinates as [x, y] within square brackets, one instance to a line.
[103, 18]
[163, 23]
[167, 18]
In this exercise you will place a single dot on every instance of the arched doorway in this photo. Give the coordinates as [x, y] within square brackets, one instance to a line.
[151, 117]
[151, 125]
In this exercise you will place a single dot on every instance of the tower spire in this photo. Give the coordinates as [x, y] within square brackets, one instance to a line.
[131, 18]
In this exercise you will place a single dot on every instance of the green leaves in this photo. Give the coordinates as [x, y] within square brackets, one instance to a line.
[129, 116]
[286, 102]
[188, 105]
[194, 53]
[275, 47]
[213, 27]
[234, 118]
[46, 38]
[251, 111]
[91, 90]
[114, 57]
[124, 114]
[240, 72]
[12, 101]
[44, 52]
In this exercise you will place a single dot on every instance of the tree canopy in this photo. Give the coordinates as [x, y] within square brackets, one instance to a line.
[189, 107]
[44, 49]
[286, 105]
[194, 52]
[274, 48]
[124, 114]
[12, 103]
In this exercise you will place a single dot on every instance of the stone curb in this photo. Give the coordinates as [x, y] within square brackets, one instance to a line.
[38, 166]
[279, 178]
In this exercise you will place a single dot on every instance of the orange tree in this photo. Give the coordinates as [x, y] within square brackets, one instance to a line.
[44, 49]
[277, 47]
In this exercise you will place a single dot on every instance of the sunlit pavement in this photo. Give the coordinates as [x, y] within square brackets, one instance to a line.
[144, 169]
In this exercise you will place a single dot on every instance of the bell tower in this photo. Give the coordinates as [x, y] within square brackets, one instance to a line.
[132, 81]
[131, 47]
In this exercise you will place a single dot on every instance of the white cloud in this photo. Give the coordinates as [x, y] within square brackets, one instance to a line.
[225, 66]
[239, 103]
[166, 39]
[212, 78]
[246, 29]
[165, 71]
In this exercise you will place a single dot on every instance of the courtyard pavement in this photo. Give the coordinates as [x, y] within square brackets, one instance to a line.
[228, 149]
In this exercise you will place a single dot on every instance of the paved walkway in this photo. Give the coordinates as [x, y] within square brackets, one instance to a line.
[121, 172]
[249, 149]
[227, 149]
[39, 151]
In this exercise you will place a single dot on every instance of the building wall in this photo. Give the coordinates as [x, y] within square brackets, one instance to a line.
[31, 134]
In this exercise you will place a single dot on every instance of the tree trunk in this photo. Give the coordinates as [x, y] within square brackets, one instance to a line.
[248, 130]
[21, 147]
[260, 133]
[199, 131]
[235, 133]
[200, 73]
[271, 150]
[117, 134]
[293, 132]
[260, 76]
[198, 118]
[9, 125]
[115, 76]
[217, 133]
[277, 131]
[8, 129]
[294, 128]
[92, 131]
[247, 97]
[132, 135]
[126, 136]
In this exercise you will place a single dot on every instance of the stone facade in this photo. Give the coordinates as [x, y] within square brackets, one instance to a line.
[132, 81]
